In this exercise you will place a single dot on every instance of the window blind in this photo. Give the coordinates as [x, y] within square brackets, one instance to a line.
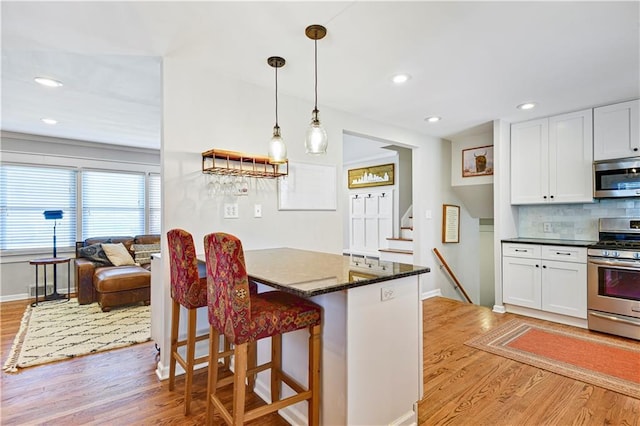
[25, 193]
[154, 203]
[112, 203]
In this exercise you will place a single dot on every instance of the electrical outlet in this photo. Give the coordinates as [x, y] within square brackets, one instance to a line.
[387, 293]
[231, 210]
[257, 210]
[546, 227]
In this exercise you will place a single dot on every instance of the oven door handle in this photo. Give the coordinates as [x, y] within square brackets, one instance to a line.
[615, 264]
[613, 318]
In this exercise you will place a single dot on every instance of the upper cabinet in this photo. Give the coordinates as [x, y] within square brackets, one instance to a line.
[551, 160]
[616, 131]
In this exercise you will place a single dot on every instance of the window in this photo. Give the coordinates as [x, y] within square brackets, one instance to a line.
[25, 193]
[154, 203]
[112, 203]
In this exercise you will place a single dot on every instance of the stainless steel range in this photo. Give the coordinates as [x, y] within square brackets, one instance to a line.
[613, 278]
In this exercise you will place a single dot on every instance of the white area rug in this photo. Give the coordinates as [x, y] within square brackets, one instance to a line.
[58, 330]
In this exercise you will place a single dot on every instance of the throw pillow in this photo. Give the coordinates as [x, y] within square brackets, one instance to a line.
[118, 254]
[96, 254]
[143, 252]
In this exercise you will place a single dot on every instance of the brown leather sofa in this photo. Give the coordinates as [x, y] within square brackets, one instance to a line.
[98, 280]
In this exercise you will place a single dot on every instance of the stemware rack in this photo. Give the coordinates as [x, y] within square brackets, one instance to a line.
[230, 163]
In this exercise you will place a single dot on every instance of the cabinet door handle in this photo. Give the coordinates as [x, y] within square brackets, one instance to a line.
[537, 266]
[552, 197]
[545, 197]
[544, 266]
[522, 250]
[564, 254]
[635, 149]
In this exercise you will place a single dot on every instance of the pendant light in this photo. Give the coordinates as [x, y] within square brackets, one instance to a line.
[316, 140]
[277, 148]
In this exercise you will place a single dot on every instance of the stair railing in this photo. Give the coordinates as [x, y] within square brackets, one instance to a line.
[458, 285]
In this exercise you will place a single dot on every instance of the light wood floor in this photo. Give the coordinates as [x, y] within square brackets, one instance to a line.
[463, 386]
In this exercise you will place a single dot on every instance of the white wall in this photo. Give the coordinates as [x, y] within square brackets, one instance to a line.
[204, 111]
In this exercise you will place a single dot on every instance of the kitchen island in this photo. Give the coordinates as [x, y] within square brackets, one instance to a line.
[372, 332]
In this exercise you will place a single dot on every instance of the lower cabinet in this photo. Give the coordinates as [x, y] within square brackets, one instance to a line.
[549, 278]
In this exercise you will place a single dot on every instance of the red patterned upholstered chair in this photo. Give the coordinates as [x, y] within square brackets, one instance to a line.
[190, 291]
[244, 318]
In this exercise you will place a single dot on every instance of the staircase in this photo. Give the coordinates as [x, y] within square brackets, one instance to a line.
[400, 249]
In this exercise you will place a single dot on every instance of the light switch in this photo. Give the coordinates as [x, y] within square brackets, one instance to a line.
[257, 210]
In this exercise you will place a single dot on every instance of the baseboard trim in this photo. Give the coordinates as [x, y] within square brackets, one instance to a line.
[15, 297]
[499, 309]
[432, 293]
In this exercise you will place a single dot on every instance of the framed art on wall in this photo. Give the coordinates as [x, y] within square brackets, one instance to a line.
[371, 176]
[450, 223]
[477, 161]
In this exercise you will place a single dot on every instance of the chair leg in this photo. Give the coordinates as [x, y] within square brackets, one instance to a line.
[315, 342]
[175, 321]
[240, 375]
[226, 361]
[191, 356]
[252, 362]
[276, 367]
[212, 381]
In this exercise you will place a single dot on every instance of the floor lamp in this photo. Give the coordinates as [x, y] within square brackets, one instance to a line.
[54, 215]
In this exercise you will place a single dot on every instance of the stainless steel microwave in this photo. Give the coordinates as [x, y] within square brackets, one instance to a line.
[616, 178]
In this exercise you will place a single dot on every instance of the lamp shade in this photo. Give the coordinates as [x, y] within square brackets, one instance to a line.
[52, 214]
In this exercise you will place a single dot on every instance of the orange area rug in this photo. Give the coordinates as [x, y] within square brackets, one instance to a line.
[589, 357]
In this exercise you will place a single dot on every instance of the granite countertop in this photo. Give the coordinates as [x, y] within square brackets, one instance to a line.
[309, 273]
[549, 242]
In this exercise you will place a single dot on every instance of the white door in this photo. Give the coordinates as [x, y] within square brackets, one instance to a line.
[371, 221]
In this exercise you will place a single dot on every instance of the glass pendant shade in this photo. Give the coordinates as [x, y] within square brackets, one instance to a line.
[316, 140]
[277, 148]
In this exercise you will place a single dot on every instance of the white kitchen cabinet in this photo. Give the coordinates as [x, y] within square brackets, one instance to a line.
[616, 131]
[551, 159]
[548, 278]
[521, 278]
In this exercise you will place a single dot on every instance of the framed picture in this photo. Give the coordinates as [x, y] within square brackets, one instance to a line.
[371, 176]
[450, 223]
[477, 161]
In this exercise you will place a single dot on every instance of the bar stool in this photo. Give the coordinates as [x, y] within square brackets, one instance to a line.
[244, 318]
[190, 291]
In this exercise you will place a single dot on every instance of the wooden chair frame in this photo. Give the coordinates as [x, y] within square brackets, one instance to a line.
[245, 370]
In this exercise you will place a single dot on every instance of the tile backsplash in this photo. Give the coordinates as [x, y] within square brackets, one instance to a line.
[572, 221]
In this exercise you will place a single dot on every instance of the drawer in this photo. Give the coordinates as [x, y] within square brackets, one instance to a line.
[521, 250]
[565, 253]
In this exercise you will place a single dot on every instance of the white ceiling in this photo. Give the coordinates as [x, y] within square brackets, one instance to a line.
[470, 62]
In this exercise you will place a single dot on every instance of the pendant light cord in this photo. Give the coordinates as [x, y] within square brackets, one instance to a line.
[276, 96]
[315, 43]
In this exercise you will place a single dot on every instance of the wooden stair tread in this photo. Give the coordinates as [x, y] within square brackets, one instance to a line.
[396, 251]
[399, 239]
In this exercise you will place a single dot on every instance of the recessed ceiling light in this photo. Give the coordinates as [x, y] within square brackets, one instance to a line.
[401, 78]
[49, 82]
[527, 105]
[433, 119]
[50, 121]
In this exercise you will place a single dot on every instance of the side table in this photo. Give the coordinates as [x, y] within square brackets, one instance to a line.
[52, 261]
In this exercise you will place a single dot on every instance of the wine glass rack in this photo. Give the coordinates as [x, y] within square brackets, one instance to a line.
[230, 163]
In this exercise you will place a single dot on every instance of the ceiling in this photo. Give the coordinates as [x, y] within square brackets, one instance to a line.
[470, 62]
